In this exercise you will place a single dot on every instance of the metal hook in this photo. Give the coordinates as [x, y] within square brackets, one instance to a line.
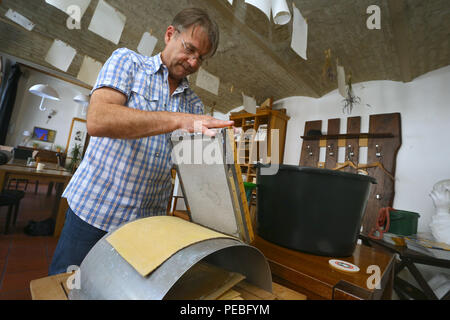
[330, 150]
[378, 151]
[350, 153]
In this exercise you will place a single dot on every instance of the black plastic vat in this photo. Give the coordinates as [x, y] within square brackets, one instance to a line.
[313, 210]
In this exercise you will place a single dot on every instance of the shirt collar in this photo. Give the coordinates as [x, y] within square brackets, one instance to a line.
[155, 64]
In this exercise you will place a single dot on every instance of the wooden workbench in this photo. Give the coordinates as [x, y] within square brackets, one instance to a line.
[55, 288]
[313, 276]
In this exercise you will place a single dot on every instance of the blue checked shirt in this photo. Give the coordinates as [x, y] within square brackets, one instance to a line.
[119, 179]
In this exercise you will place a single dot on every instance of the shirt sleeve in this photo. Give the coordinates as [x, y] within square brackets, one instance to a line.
[117, 72]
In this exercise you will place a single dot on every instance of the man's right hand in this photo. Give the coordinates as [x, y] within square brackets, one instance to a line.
[201, 123]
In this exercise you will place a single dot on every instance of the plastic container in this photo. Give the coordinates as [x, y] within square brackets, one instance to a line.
[403, 223]
[249, 186]
[313, 210]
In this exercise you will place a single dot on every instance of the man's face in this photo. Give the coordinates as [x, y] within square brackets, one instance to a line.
[184, 50]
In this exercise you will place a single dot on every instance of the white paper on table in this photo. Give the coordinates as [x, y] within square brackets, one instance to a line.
[299, 33]
[263, 5]
[60, 55]
[19, 19]
[64, 5]
[89, 70]
[280, 12]
[249, 104]
[341, 80]
[107, 22]
[147, 44]
[207, 81]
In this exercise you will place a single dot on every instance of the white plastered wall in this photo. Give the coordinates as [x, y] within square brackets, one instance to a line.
[26, 114]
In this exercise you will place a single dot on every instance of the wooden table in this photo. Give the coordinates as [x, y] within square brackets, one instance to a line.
[313, 276]
[55, 288]
[407, 259]
[48, 175]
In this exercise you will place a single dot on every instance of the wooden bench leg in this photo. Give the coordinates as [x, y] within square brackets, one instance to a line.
[8, 218]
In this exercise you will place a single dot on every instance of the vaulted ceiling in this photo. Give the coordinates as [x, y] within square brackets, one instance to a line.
[254, 55]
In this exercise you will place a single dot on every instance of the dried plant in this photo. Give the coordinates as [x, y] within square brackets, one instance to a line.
[351, 100]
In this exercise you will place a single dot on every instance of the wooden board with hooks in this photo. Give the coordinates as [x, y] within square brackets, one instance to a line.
[382, 151]
[331, 155]
[352, 144]
[382, 141]
[310, 150]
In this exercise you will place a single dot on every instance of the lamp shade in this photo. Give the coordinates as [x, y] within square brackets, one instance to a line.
[81, 98]
[44, 91]
[84, 101]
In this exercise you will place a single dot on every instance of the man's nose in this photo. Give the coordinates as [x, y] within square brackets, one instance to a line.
[193, 63]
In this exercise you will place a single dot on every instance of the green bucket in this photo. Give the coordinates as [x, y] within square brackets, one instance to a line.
[248, 191]
[403, 223]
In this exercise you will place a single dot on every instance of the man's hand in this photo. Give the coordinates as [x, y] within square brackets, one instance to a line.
[201, 123]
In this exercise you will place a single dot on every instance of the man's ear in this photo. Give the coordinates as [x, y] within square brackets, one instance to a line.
[170, 32]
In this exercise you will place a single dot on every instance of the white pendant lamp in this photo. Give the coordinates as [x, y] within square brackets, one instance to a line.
[45, 92]
[83, 100]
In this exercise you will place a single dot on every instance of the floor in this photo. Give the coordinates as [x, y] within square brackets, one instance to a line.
[24, 258]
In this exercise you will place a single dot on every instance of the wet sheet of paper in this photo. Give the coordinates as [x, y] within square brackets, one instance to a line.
[19, 19]
[280, 12]
[108, 22]
[263, 5]
[60, 55]
[299, 41]
[249, 104]
[89, 70]
[147, 44]
[207, 81]
[341, 80]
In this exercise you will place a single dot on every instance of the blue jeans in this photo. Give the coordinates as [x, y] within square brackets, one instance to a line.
[76, 240]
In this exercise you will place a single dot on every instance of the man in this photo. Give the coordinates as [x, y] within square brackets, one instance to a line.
[135, 105]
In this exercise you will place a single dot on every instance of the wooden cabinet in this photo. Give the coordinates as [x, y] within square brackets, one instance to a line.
[255, 144]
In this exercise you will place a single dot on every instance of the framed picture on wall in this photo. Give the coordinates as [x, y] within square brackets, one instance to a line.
[42, 134]
[78, 136]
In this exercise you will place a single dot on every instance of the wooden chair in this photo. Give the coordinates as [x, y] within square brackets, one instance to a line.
[23, 154]
[172, 211]
[11, 199]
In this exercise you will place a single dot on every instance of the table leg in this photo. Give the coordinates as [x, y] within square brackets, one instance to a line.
[419, 278]
[389, 286]
[50, 189]
[2, 180]
[399, 266]
[59, 211]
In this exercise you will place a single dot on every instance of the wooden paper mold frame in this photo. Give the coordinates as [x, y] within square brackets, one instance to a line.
[212, 182]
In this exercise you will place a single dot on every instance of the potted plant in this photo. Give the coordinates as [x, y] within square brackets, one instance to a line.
[75, 158]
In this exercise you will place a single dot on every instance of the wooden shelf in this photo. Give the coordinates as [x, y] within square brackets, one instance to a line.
[272, 119]
[349, 136]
